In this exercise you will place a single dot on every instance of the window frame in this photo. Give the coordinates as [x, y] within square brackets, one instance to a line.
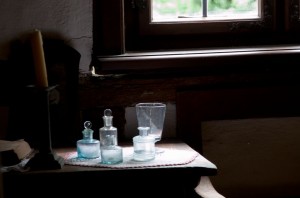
[141, 34]
[293, 16]
[112, 52]
[264, 23]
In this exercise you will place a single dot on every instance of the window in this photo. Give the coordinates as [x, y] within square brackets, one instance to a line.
[197, 10]
[238, 31]
[127, 31]
[193, 16]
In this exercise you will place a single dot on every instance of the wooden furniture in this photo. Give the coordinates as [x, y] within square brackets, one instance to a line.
[161, 181]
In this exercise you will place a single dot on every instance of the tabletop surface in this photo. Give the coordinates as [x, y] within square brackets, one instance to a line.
[174, 147]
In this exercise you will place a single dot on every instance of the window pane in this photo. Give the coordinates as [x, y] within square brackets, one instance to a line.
[178, 10]
[173, 9]
[233, 8]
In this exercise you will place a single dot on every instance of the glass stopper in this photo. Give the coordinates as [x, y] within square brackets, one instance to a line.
[87, 124]
[107, 112]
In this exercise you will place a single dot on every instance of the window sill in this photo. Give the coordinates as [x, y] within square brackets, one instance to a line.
[245, 59]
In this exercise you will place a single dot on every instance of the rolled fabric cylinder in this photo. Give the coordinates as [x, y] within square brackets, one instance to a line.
[20, 147]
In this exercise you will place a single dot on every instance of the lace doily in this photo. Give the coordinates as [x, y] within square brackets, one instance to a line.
[170, 157]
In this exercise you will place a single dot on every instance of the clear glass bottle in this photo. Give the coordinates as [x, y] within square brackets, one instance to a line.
[111, 153]
[88, 147]
[143, 145]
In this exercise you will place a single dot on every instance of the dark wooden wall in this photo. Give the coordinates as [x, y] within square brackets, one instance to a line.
[87, 97]
[127, 89]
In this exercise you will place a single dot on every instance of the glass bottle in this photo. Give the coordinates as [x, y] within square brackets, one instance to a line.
[111, 153]
[88, 147]
[143, 145]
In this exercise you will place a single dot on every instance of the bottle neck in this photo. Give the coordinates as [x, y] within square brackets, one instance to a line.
[107, 120]
[87, 134]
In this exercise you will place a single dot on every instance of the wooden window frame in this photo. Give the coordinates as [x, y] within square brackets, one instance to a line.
[119, 46]
[293, 17]
[264, 23]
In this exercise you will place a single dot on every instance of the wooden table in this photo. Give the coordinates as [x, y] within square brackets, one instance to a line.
[73, 181]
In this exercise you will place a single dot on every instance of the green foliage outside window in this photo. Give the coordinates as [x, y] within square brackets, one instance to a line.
[236, 5]
[176, 8]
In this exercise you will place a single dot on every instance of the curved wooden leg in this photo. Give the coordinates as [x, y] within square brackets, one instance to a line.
[206, 190]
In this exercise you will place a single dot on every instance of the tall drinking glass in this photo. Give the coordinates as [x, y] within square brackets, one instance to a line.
[152, 114]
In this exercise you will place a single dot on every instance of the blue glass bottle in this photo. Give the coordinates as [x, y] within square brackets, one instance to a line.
[111, 153]
[88, 147]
